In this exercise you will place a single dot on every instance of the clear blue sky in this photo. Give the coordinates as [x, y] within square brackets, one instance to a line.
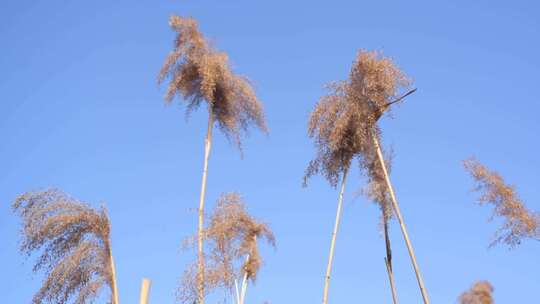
[80, 110]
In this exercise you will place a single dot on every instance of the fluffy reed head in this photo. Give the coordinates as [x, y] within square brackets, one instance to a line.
[344, 120]
[376, 189]
[519, 222]
[231, 248]
[480, 293]
[72, 241]
[197, 72]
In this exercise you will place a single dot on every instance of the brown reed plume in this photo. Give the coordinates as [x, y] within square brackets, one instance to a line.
[344, 127]
[197, 73]
[73, 243]
[519, 222]
[480, 293]
[376, 189]
[343, 120]
[232, 252]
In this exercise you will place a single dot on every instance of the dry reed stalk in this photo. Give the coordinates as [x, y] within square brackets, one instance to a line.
[388, 261]
[334, 236]
[397, 212]
[237, 293]
[113, 275]
[207, 147]
[246, 276]
[145, 291]
[198, 73]
[73, 241]
[243, 289]
[391, 279]
[377, 191]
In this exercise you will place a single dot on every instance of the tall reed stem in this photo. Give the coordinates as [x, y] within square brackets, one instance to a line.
[145, 290]
[391, 279]
[334, 234]
[113, 274]
[243, 290]
[388, 261]
[245, 278]
[200, 256]
[237, 293]
[400, 220]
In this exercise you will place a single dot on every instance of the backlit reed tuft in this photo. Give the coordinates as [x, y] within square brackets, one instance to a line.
[376, 189]
[480, 293]
[519, 222]
[197, 72]
[231, 236]
[345, 118]
[72, 242]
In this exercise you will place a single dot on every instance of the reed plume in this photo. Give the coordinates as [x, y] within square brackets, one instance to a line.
[197, 72]
[375, 188]
[519, 222]
[344, 119]
[232, 250]
[344, 127]
[73, 243]
[480, 293]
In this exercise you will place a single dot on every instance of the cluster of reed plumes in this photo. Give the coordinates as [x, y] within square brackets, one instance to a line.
[480, 293]
[74, 245]
[344, 120]
[344, 127]
[199, 73]
[519, 222]
[231, 252]
[72, 240]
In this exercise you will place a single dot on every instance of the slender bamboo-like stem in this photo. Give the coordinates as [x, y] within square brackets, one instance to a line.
[245, 280]
[244, 288]
[334, 234]
[113, 275]
[145, 290]
[400, 220]
[391, 279]
[237, 292]
[200, 256]
[388, 261]
[387, 243]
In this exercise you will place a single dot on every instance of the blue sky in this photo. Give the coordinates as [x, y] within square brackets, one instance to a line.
[80, 110]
